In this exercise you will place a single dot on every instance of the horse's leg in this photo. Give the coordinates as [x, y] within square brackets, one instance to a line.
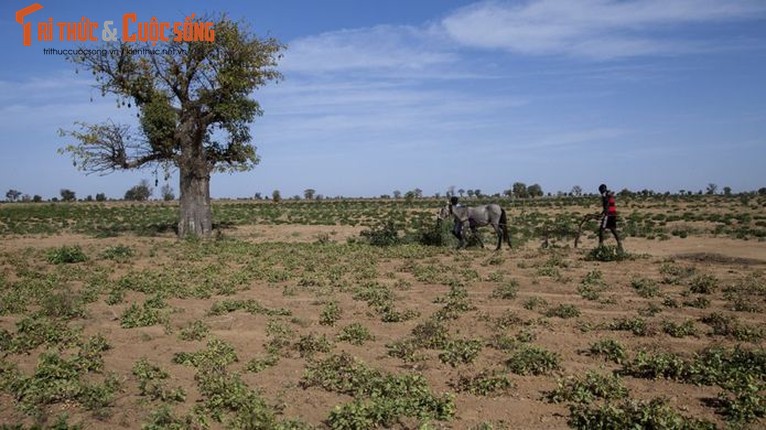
[463, 241]
[475, 232]
[499, 233]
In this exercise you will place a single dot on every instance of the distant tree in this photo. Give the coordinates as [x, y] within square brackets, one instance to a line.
[508, 192]
[89, 198]
[576, 191]
[140, 192]
[37, 198]
[308, 193]
[67, 195]
[418, 193]
[762, 191]
[167, 193]
[461, 192]
[319, 197]
[520, 190]
[258, 196]
[681, 192]
[397, 194]
[409, 196]
[470, 193]
[437, 195]
[535, 190]
[711, 188]
[100, 197]
[477, 193]
[276, 196]
[12, 195]
[626, 193]
[726, 191]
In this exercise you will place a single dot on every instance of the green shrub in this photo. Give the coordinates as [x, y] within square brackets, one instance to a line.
[564, 311]
[534, 302]
[330, 314]
[635, 325]
[684, 329]
[592, 285]
[259, 364]
[673, 273]
[586, 389]
[655, 414]
[645, 287]
[434, 234]
[66, 254]
[745, 400]
[729, 326]
[484, 383]
[355, 334]
[310, 344]
[460, 351]
[119, 253]
[379, 398]
[607, 253]
[506, 291]
[151, 382]
[197, 330]
[609, 349]
[153, 311]
[384, 234]
[703, 284]
[533, 360]
[660, 365]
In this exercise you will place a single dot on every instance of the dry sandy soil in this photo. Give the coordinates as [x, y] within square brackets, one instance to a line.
[521, 407]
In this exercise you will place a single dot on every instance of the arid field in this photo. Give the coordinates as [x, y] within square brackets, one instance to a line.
[355, 314]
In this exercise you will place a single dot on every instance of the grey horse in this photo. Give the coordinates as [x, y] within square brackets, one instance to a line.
[479, 216]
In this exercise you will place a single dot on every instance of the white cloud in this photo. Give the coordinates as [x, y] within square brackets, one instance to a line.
[382, 47]
[599, 29]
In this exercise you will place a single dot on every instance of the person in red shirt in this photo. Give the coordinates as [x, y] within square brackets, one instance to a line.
[608, 216]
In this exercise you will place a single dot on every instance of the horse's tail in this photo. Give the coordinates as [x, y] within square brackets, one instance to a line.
[504, 226]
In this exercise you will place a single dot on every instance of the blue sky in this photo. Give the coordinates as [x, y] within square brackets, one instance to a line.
[397, 95]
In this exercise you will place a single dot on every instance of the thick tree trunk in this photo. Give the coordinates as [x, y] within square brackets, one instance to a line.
[196, 215]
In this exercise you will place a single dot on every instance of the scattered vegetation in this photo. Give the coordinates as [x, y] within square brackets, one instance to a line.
[291, 304]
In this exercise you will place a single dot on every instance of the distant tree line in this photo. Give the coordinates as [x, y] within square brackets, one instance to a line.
[519, 190]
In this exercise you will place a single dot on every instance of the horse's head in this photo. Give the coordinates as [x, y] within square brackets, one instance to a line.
[445, 212]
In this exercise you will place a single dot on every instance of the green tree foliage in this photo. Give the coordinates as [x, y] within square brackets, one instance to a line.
[535, 190]
[67, 195]
[12, 195]
[167, 193]
[140, 192]
[519, 190]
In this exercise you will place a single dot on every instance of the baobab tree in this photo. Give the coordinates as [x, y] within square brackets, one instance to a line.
[195, 107]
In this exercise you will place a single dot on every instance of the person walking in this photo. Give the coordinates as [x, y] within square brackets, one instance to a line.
[608, 216]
